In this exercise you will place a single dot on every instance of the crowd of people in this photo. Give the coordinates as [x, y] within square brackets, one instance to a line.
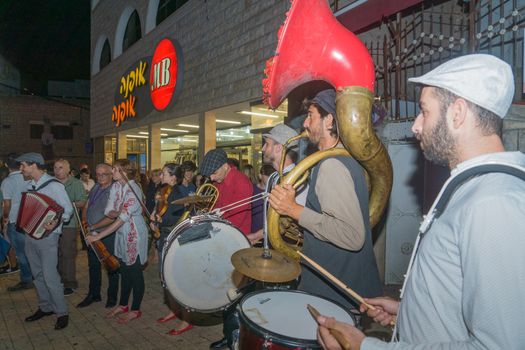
[114, 211]
[466, 274]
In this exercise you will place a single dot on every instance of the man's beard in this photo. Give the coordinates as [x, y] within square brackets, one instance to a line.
[439, 145]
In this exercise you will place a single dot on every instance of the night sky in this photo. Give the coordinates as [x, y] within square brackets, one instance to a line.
[46, 39]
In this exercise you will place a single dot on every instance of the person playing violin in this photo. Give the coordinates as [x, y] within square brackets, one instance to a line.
[164, 218]
[93, 214]
[131, 241]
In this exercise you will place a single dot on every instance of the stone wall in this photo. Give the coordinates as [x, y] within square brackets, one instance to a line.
[18, 111]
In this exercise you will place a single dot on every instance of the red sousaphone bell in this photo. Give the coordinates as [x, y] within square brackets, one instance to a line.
[313, 45]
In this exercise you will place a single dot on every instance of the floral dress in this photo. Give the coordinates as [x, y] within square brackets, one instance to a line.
[131, 240]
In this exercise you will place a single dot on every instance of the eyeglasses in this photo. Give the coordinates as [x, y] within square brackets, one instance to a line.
[104, 174]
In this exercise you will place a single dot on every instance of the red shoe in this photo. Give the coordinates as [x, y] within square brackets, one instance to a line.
[166, 318]
[130, 316]
[180, 331]
[117, 311]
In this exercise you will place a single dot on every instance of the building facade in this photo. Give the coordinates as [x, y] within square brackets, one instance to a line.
[222, 50]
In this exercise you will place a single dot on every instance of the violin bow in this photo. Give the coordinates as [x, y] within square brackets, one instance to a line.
[134, 193]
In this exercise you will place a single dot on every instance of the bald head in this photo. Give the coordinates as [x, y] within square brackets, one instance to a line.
[61, 169]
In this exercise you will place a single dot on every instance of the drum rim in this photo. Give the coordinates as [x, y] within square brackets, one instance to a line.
[281, 339]
[167, 244]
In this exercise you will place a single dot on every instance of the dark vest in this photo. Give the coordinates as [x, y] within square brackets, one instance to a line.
[97, 201]
[357, 269]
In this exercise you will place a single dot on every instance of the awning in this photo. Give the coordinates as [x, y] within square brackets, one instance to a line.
[364, 13]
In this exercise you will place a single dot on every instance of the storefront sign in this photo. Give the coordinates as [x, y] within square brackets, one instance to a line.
[163, 74]
[126, 97]
[149, 83]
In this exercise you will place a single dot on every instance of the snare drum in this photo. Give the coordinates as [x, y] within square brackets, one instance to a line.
[278, 319]
[196, 263]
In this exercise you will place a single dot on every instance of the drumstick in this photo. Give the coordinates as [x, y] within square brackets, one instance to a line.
[334, 279]
[334, 332]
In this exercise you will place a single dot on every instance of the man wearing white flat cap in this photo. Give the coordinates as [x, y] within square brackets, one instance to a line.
[464, 288]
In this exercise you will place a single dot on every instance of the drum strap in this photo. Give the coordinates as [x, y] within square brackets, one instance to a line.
[441, 202]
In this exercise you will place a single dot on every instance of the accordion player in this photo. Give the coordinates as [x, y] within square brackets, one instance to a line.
[36, 211]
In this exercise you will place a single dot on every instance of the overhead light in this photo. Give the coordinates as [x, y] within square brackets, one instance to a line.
[232, 136]
[275, 110]
[227, 121]
[138, 136]
[189, 126]
[259, 114]
[174, 130]
[147, 133]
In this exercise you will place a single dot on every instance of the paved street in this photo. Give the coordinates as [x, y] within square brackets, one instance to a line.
[88, 329]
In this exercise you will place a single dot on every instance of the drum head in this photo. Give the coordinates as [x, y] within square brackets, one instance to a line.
[283, 315]
[197, 270]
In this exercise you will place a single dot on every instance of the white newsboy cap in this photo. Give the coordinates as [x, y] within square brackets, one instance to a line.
[482, 79]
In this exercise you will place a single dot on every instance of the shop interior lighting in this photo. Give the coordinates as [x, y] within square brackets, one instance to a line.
[189, 126]
[147, 133]
[138, 136]
[174, 130]
[274, 111]
[227, 121]
[258, 114]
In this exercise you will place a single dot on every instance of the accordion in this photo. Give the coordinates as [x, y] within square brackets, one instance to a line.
[36, 210]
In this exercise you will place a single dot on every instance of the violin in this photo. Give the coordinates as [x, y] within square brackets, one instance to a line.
[109, 261]
[161, 206]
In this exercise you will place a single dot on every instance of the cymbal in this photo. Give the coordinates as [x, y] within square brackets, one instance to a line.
[192, 200]
[278, 268]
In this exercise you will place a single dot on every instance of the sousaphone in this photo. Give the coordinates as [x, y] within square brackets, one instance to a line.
[313, 45]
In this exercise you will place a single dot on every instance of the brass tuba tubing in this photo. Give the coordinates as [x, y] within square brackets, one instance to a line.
[304, 134]
[354, 107]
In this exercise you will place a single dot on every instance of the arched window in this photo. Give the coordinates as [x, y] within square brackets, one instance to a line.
[167, 7]
[105, 55]
[133, 32]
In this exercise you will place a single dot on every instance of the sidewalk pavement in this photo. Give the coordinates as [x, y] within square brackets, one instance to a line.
[88, 328]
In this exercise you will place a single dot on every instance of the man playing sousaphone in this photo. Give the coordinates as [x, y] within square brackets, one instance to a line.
[335, 217]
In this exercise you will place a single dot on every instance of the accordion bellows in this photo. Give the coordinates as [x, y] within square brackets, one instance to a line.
[36, 210]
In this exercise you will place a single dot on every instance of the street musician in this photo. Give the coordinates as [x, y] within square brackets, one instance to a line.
[335, 218]
[93, 211]
[164, 218]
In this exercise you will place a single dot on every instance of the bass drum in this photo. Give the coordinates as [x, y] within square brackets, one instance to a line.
[278, 319]
[196, 263]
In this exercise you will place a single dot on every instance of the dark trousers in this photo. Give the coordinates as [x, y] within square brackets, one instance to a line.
[132, 281]
[67, 254]
[95, 273]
